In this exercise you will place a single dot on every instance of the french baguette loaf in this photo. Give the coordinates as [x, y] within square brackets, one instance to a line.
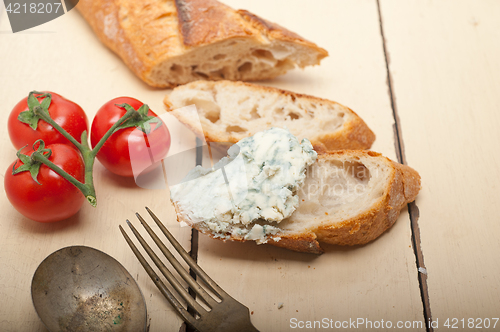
[230, 111]
[172, 42]
[349, 197]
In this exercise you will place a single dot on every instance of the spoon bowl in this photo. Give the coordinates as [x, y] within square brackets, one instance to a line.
[79, 288]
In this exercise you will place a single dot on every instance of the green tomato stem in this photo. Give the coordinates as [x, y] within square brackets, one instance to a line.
[87, 190]
[46, 117]
[88, 161]
[111, 130]
[88, 154]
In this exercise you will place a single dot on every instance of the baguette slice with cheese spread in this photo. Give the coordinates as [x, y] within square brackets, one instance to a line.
[172, 42]
[229, 111]
[349, 197]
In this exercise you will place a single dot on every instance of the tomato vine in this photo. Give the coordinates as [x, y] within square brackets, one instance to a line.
[39, 111]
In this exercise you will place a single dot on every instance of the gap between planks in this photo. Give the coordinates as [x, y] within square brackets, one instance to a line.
[412, 207]
[193, 252]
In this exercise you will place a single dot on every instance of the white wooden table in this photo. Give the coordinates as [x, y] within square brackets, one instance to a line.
[424, 75]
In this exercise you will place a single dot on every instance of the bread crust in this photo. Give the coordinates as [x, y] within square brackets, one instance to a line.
[203, 22]
[306, 243]
[355, 135]
[146, 33]
[402, 189]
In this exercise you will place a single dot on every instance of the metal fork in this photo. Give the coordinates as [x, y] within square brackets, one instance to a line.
[225, 314]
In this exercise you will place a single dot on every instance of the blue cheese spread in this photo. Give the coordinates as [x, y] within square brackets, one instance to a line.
[249, 192]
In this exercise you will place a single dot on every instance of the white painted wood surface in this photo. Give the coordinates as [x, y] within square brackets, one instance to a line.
[445, 65]
[445, 70]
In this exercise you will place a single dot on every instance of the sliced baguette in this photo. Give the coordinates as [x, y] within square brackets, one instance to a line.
[229, 111]
[348, 198]
[172, 42]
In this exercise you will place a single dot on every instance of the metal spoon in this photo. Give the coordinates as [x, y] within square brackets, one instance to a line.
[83, 289]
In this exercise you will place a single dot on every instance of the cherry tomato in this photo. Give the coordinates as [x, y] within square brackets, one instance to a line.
[116, 153]
[64, 112]
[55, 198]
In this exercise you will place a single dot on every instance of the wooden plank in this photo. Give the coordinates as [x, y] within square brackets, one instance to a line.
[64, 56]
[373, 282]
[446, 77]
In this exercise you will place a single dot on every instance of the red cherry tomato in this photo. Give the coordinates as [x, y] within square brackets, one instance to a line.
[64, 112]
[116, 153]
[55, 198]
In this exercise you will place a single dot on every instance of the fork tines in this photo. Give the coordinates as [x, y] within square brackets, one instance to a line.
[224, 312]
